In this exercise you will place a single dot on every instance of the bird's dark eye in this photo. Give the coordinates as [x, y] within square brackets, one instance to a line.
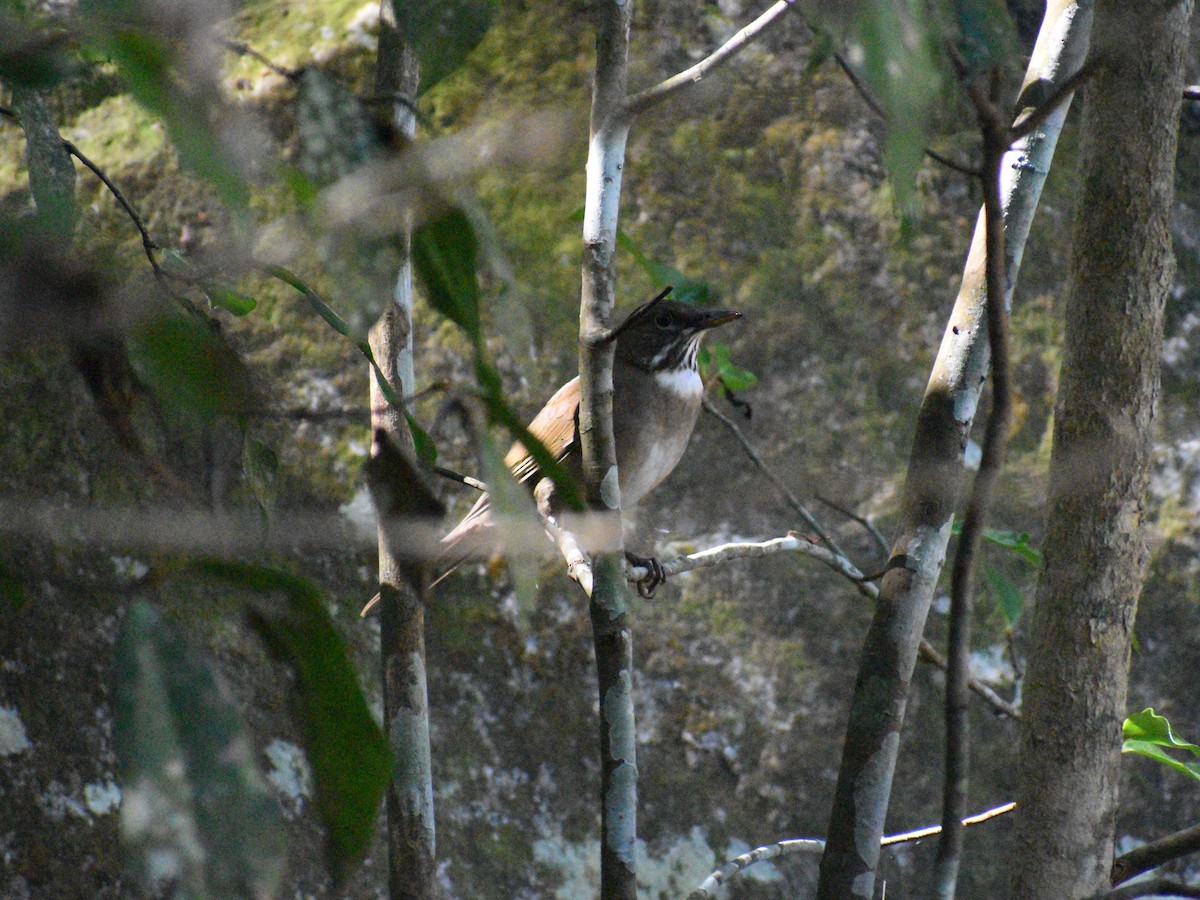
[663, 320]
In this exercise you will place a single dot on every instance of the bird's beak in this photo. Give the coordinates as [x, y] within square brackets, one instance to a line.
[719, 317]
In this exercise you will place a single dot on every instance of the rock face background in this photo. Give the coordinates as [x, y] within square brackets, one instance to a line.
[767, 184]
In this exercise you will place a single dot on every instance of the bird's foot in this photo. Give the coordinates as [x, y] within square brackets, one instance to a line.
[651, 583]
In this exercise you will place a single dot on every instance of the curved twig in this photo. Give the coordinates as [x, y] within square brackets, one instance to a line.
[815, 845]
[643, 100]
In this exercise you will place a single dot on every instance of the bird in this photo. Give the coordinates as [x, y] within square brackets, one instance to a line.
[657, 393]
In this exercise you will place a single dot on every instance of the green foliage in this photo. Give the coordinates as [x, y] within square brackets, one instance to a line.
[444, 254]
[1007, 594]
[228, 299]
[194, 804]
[1151, 735]
[716, 361]
[347, 751]
[145, 63]
[443, 32]
[188, 364]
[901, 67]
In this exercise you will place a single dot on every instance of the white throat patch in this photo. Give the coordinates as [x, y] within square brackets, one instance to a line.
[684, 382]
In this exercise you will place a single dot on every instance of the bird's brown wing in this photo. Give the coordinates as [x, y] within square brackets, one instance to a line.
[554, 426]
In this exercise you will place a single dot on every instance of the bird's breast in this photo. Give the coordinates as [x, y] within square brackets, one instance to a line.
[653, 418]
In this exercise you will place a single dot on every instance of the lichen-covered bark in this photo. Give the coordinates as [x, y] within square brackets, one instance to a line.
[608, 608]
[932, 488]
[1096, 554]
[412, 868]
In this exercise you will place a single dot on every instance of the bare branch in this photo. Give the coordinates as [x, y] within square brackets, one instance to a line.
[1151, 856]
[866, 523]
[148, 243]
[775, 480]
[643, 100]
[710, 884]
[962, 580]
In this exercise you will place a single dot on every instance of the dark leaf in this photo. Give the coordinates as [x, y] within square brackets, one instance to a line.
[190, 367]
[901, 68]
[443, 32]
[194, 804]
[345, 747]
[986, 34]
[444, 254]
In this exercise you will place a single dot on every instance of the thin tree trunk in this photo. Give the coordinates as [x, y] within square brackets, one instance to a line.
[412, 869]
[932, 488]
[1096, 555]
[611, 628]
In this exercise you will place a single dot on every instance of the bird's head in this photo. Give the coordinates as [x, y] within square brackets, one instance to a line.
[664, 335]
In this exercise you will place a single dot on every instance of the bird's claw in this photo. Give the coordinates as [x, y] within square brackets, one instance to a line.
[657, 576]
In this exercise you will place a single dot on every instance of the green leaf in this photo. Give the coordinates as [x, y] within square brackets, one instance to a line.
[716, 360]
[820, 50]
[237, 303]
[190, 366]
[1007, 595]
[192, 794]
[338, 324]
[444, 253]
[900, 66]
[684, 289]
[1150, 734]
[512, 504]
[346, 749]
[443, 32]
[145, 66]
[423, 444]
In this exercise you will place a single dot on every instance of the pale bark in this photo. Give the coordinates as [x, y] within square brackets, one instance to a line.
[932, 488]
[608, 606]
[412, 867]
[1095, 547]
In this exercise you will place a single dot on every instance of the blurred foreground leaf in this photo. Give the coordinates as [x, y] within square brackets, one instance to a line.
[196, 817]
[1151, 735]
[443, 32]
[986, 34]
[190, 366]
[901, 68]
[444, 255]
[346, 749]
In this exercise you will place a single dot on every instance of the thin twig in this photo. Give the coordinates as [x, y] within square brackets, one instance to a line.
[243, 49]
[775, 480]
[879, 111]
[962, 580]
[815, 845]
[1151, 856]
[148, 243]
[643, 100]
[866, 523]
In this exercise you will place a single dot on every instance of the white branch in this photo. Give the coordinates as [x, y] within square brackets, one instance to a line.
[643, 100]
[814, 845]
[714, 556]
